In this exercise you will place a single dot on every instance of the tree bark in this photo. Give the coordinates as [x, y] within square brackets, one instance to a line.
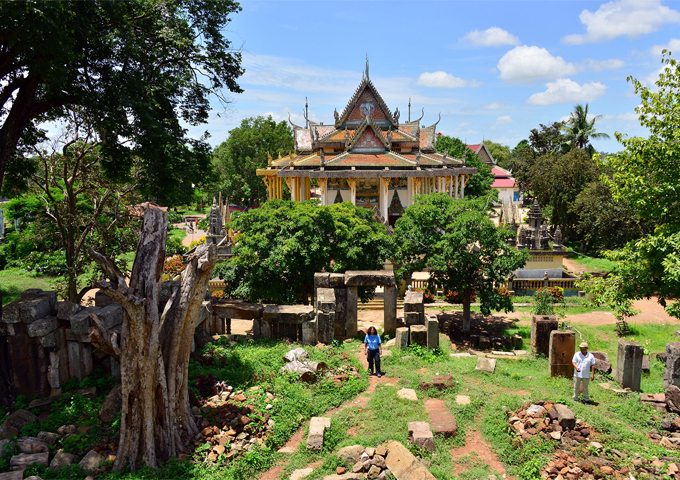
[156, 421]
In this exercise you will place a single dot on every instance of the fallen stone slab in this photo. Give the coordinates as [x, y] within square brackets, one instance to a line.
[14, 475]
[422, 435]
[23, 460]
[486, 365]
[501, 353]
[63, 459]
[344, 476]
[404, 465]
[91, 461]
[49, 438]
[242, 311]
[13, 424]
[459, 355]
[359, 278]
[301, 473]
[43, 327]
[295, 354]
[520, 352]
[408, 394]
[442, 421]
[440, 382]
[317, 427]
[32, 445]
[462, 400]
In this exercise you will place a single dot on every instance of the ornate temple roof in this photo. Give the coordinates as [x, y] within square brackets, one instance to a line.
[366, 135]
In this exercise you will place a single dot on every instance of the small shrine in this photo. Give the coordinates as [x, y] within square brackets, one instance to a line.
[369, 156]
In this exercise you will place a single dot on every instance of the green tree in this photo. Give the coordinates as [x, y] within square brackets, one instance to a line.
[604, 223]
[556, 180]
[646, 175]
[479, 184]
[461, 246]
[548, 139]
[140, 69]
[281, 245]
[238, 158]
[500, 153]
[578, 130]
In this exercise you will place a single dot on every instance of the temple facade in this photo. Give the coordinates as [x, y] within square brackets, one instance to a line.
[368, 157]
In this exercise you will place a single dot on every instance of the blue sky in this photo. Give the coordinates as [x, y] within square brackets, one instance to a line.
[494, 69]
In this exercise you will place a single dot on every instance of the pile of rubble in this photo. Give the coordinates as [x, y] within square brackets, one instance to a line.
[296, 361]
[552, 420]
[389, 460]
[565, 465]
[231, 422]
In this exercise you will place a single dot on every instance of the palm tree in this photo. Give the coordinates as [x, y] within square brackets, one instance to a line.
[578, 130]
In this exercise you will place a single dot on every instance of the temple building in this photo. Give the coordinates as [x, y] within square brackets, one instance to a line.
[504, 182]
[367, 156]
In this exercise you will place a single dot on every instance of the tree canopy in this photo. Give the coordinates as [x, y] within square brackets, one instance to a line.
[500, 153]
[479, 184]
[281, 245]
[247, 148]
[139, 68]
[464, 250]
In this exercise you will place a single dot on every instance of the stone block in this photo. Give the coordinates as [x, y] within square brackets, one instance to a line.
[565, 417]
[408, 394]
[317, 427]
[337, 280]
[541, 326]
[62, 459]
[66, 309]
[91, 461]
[432, 332]
[86, 362]
[562, 347]
[32, 445]
[401, 338]
[350, 455]
[403, 464]
[629, 364]
[322, 280]
[419, 335]
[413, 318]
[102, 300]
[112, 315]
[645, 363]
[486, 365]
[13, 475]
[325, 324]
[390, 310]
[484, 342]
[35, 308]
[603, 366]
[13, 424]
[600, 355]
[23, 460]
[309, 333]
[42, 327]
[204, 313]
[74, 364]
[265, 329]
[671, 375]
[54, 340]
[362, 278]
[7, 329]
[80, 322]
[440, 382]
[11, 313]
[294, 314]
[351, 317]
[240, 310]
[49, 438]
[422, 435]
[325, 300]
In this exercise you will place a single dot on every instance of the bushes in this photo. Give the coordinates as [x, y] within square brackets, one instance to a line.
[545, 300]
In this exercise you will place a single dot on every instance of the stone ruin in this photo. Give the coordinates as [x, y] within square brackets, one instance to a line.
[419, 329]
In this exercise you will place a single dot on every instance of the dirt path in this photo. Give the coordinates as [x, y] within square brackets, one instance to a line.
[475, 446]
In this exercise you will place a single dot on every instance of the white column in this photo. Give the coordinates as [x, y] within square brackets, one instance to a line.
[352, 182]
[384, 196]
[462, 187]
[293, 188]
[455, 189]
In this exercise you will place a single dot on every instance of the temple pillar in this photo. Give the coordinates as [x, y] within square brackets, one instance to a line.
[462, 186]
[418, 182]
[410, 190]
[294, 189]
[323, 183]
[352, 182]
[384, 187]
[455, 189]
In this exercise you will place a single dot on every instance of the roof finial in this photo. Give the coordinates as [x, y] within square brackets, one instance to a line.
[306, 113]
[409, 109]
[367, 66]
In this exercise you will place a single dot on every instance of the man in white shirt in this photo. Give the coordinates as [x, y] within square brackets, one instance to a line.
[584, 371]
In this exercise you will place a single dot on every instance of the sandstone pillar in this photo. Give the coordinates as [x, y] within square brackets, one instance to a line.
[325, 315]
[351, 316]
[401, 338]
[390, 309]
[293, 188]
[352, 182]
[541, 326]
[414, 308]
[323, 184]
[432, 332]
[629, 364]
[419, 335]
[671, 375]
[562, 347]
[462, 187]
[384, 187]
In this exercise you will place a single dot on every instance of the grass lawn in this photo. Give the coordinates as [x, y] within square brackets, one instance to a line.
[13, 281]
[178, 233]
[593, 264]
[189, 210]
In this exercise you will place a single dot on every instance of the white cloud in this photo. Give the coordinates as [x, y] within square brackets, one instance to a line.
[491, 37]
[441, 80]
[673, 46]
[464, 124]
[600, 65]
[566, 90]
[494, 106]
[626, 117]
[524, 64]
[617, 18]
[504, 120]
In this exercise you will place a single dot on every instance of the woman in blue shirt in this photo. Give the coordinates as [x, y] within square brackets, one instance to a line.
[373, 350]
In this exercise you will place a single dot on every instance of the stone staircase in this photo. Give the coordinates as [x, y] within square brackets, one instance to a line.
[377, 303]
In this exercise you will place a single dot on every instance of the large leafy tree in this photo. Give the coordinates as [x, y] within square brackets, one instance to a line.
[500, 153]
[579, 130]
[247, 148]
[647, 174]
[479, 184]
[140, 68]
[464, 250]
[281, 245]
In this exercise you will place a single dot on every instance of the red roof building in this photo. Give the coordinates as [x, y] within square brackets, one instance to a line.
[508, 191]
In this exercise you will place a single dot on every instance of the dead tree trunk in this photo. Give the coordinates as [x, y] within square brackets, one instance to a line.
[156, 421]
